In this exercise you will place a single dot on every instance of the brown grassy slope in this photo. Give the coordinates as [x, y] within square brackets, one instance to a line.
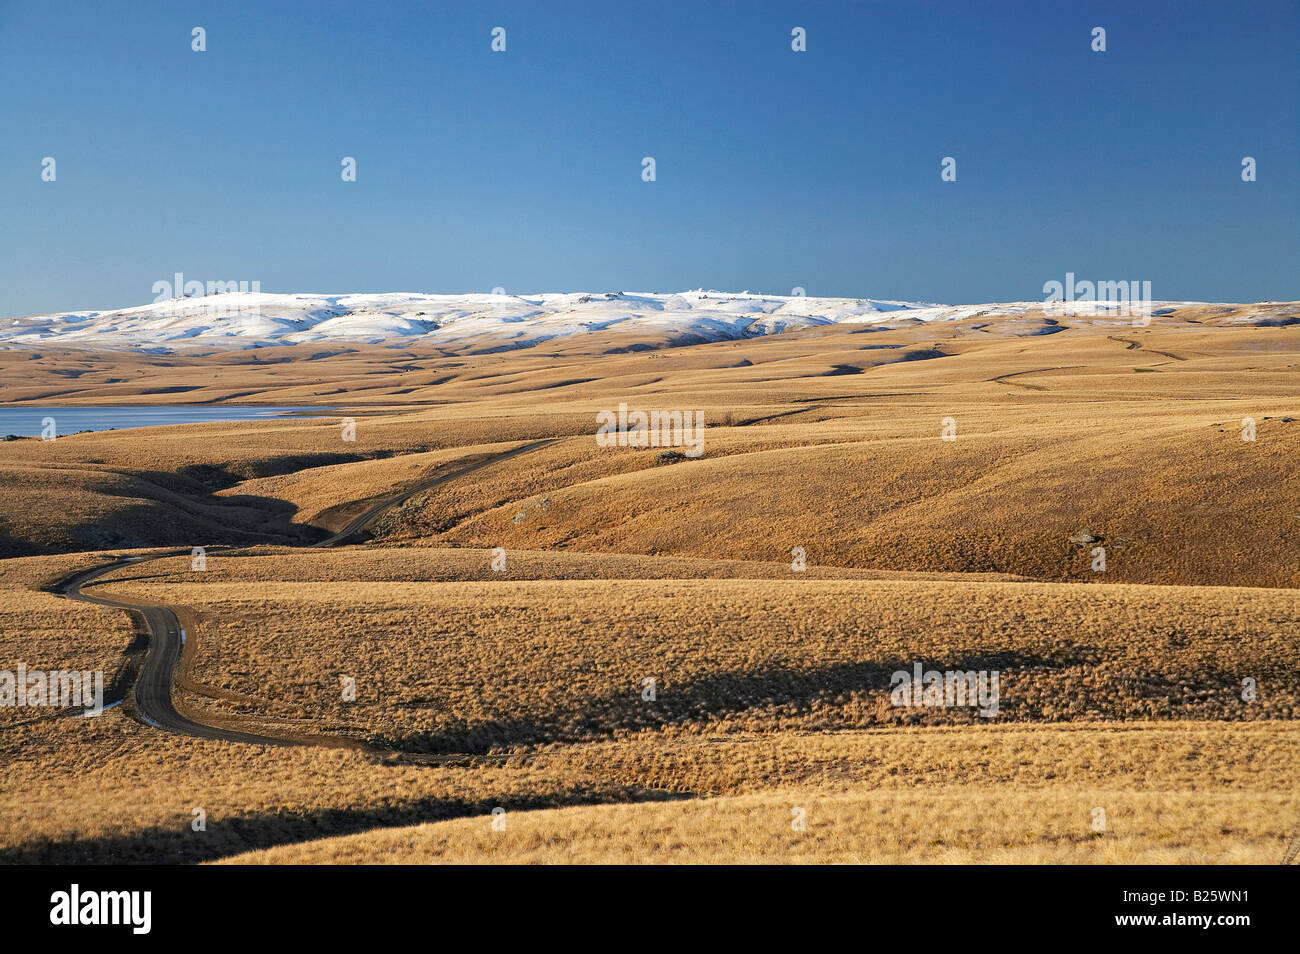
[51, 634]
[957, 825]
[758, 664]
[1173, 501]
[375, 564]
[160, 485]
[477, 666]
[416, 372]
[1057, 433]
[1152, 463]
[110, 790]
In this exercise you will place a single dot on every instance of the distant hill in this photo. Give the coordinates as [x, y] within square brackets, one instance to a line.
[239, 320]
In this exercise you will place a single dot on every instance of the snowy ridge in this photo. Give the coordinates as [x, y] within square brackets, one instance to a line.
[252, 319]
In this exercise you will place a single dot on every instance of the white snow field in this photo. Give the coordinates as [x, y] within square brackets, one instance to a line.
[235, 320]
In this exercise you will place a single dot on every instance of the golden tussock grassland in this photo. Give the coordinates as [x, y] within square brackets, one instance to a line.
[947, 826]
[110, 789]
[1162, 689]
[472, 666]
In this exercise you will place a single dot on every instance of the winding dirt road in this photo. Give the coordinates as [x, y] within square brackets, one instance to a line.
[156, 681]
[153, 686]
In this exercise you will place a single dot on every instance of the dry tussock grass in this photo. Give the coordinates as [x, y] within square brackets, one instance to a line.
[476, 666]
[959, 825]
[378, 564]
[772, 687]
[1057, 434]
[109, 789]
[49, 633]
[1174, 499]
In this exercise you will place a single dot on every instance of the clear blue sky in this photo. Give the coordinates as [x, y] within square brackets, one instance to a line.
[523, 169]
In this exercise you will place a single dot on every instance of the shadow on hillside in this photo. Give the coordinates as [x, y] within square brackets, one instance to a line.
[182, 509]
[12, 546]
[713, 696]
[178, 844]
[229, 521]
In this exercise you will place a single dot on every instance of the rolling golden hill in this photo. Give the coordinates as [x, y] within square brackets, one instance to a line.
[1107, 516]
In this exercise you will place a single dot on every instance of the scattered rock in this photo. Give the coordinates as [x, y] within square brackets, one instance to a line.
[1083, 538]
[671, 456]
[541, 503]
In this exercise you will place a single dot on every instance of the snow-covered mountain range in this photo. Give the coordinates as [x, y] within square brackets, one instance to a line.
[235, 320]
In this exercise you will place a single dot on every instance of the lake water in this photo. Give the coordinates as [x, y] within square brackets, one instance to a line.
[26, 421]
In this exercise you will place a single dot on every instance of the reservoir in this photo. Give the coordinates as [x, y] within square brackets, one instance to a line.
[26, 421]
